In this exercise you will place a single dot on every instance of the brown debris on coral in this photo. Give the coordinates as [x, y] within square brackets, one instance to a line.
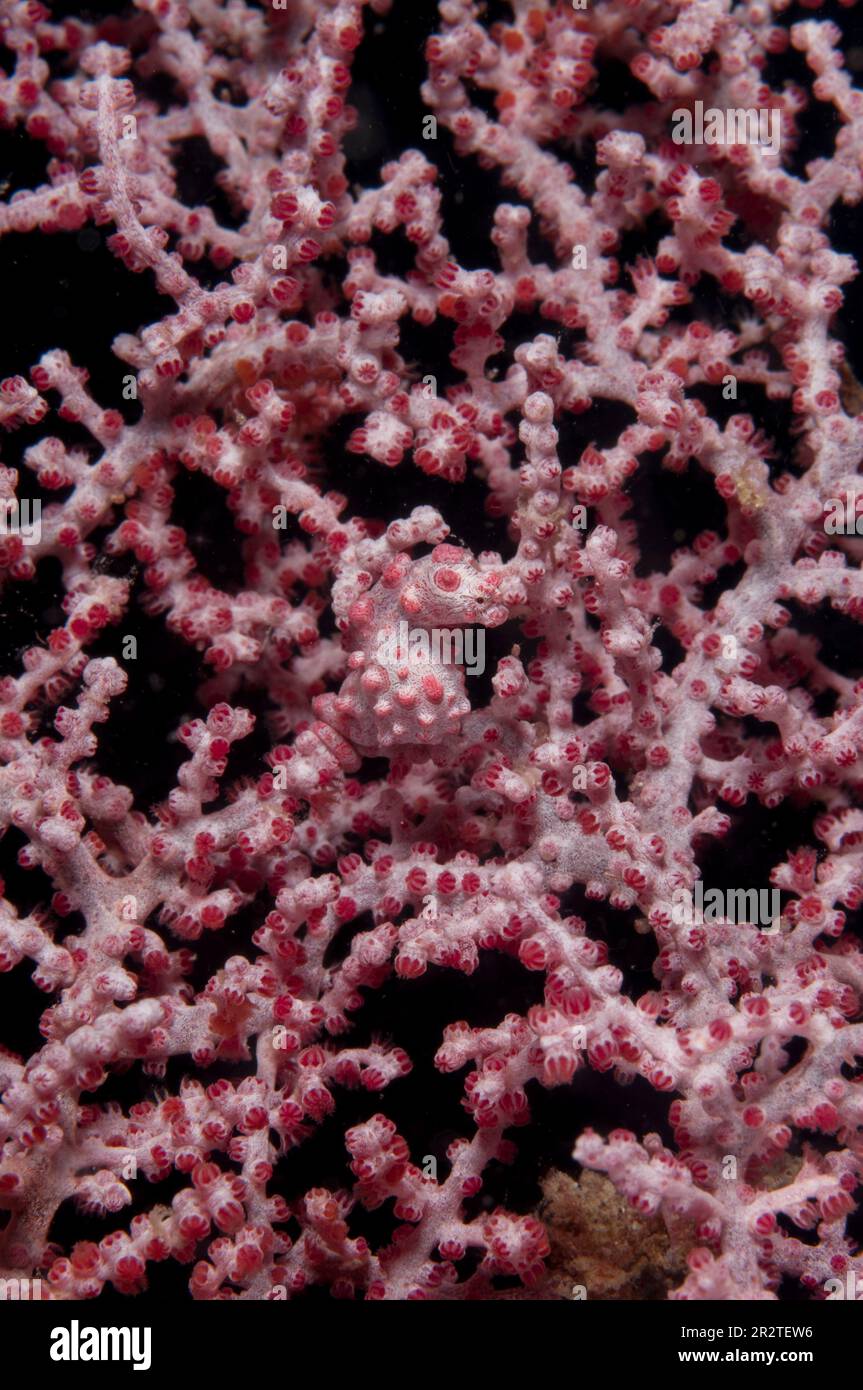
[600, 1245]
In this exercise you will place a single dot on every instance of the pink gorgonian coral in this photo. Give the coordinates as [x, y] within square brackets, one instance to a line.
[511, 329]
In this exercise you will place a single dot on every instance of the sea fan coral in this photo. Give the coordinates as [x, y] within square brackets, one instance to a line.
[427, 642]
